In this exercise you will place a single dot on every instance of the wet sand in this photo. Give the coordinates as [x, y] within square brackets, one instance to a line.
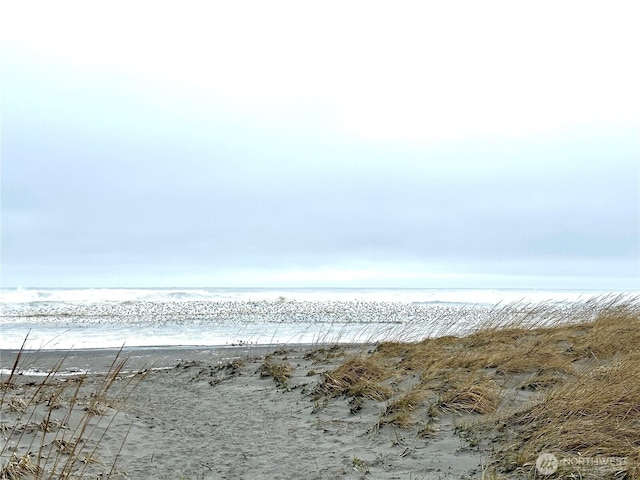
[100, 360]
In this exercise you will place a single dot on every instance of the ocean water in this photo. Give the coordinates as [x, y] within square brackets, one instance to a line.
[115, 317]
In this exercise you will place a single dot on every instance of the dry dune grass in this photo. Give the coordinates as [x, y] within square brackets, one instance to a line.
[399, 411]
[358, 377]
[596, 413]
[507, 351]
[52, 429]
[480, 396]
[585, 376]
[280, 372]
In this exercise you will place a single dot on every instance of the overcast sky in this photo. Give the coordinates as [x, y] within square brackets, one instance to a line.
[417, 144]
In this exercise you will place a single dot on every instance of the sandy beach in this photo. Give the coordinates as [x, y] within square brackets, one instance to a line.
[488, 405]
[207, 413]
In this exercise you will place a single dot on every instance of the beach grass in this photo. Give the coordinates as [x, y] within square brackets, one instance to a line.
[279, 371]
[52, 426]
[565, 386]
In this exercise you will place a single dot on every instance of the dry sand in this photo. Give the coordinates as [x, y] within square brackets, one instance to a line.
[198, 414]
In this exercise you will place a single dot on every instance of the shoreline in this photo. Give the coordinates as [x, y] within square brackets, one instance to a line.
[98, 360]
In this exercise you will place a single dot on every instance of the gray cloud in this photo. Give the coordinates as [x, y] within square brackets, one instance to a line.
[100, 179]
